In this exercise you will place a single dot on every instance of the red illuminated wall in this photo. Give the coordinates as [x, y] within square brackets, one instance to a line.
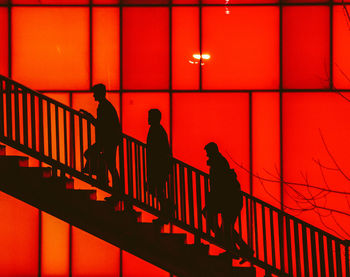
[273, 95]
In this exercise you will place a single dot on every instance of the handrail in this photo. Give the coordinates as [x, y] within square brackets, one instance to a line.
[48, 130]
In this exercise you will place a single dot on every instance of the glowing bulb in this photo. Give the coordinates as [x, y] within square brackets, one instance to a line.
[198, 57]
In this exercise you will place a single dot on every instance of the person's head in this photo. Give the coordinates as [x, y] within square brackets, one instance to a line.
[154, 116]
[212, 149]
[99, 91]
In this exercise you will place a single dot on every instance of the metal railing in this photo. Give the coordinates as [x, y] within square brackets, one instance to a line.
[58, 135]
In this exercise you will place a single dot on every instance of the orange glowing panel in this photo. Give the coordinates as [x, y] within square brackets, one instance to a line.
[51, 47]
[306, 47]
[18, 238]
[242, 55]
[4, 41]
[316, 154]
[227, 9]
[341, 55]
[105, 2]
[135, 267]
[145, 2]
[185, 1]
[146, 48]
[92, 256]
[185, 43]
[105, 34]
[222, 118]
[51, 2]
[55, 246]
[266, 146]
[135, 113]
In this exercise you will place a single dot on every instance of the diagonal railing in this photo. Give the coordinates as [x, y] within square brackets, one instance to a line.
[58, 135]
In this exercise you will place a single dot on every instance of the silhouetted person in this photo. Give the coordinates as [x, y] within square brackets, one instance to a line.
[158, 163]
[108, 136]
[225, 198]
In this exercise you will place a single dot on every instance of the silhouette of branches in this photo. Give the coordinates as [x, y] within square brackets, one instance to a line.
[312, 198]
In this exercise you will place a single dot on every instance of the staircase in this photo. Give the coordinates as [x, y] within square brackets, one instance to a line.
[49, 131]
[57, 196]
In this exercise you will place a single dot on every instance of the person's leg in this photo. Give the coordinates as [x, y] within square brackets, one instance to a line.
[161, 198]
[212, 218]
[110, 158]
[244, 250]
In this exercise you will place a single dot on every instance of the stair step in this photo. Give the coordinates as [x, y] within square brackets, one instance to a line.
[149, 230]
[170, 239]
[2, 150]
[37, 172]
[195, 250]
[57, 183]
[219, 261]
[243, 272]
[107, 212]
[7, 162]
[83, 194]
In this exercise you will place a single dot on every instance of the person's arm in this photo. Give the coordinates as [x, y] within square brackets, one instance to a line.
[88, 116]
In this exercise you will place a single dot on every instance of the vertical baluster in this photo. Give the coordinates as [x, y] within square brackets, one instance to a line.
[138, 169]
[272, 233]
[137, 172]
[256, 228]
[249, 228]
[347, 260]
[25, 117]
[134, 165]
[289, 247]
[182, 193]
[2, 123]
[49, 130]
[176, 190]
[297, 249]
[88, 130]
[313, 253]
[206, 193]
[190, 196]
[88, 123]
[41, 126]
[121, 163]
[134, 169]
[130, 171]
[65, 127]
[171, 190]
[9, 110]
[144, 175]
[330, 257]
[57, 127]
[305, 251]
[81, 137]
[199, 207]
[17, 128]
[72, 141]
[321, 253]
[33, 120]
[281, 239]
[338, 259]
[240, 224]
[264, 232]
